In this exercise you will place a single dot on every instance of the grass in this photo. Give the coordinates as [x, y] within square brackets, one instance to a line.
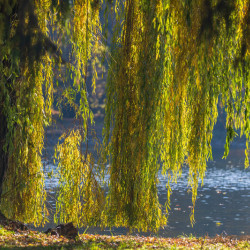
[37, 240]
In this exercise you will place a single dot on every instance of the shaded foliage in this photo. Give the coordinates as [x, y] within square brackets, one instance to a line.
[31, 55]
[171, 63]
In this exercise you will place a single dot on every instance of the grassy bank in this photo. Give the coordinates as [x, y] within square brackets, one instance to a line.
[37, 240]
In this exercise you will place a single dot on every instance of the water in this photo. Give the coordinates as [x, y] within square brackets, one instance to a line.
[223, 202]
[222, 206]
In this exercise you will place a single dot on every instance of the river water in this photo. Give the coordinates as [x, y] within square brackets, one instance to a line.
[223, 202]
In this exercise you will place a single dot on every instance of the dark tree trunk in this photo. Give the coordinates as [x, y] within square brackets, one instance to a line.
[3, 153]
[4, 126]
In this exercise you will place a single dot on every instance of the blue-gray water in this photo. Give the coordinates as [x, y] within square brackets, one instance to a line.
[223, 202]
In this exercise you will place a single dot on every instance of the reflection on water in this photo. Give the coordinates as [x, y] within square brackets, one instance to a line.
[230, 178]
[222, 206]
[213, 214]
[223, 202]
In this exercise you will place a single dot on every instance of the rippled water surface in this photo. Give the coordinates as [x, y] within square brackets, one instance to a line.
[223, 202]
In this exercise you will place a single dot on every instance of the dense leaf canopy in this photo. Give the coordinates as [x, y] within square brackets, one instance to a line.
[171, 65]
[174, 61]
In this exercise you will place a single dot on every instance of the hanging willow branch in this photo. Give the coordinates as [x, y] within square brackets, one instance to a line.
[174, 62]
[171, 64]
[33, 39]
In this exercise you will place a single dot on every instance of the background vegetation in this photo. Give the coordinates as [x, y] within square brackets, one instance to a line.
[171, 64]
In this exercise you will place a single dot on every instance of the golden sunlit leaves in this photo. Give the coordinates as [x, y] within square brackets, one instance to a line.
[80, 199]
[171, 62]
[31, 58]
[175, 61]
[133, 87]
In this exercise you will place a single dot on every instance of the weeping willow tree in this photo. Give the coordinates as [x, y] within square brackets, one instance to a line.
[171, 64]
[34, 39]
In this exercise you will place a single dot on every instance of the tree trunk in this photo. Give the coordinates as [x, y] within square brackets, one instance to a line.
[3, 153]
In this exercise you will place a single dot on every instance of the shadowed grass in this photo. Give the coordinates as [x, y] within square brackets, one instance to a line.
[36, 240]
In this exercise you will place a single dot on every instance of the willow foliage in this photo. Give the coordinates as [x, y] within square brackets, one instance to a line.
[33, 41]
[23, 105]
[172, 62]
[80, 197]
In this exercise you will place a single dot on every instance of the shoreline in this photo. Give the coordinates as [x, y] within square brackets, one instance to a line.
[31, 239]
